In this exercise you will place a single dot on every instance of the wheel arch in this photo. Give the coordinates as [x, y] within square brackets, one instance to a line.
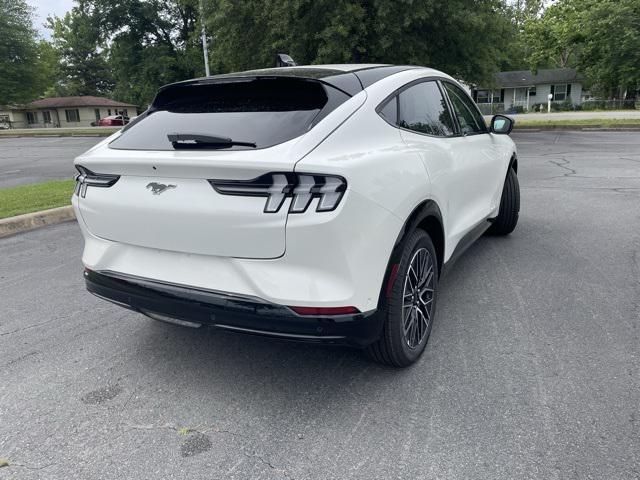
[427, 216]
[513, 163]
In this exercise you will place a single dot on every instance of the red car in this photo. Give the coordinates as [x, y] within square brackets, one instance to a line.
[113, 121]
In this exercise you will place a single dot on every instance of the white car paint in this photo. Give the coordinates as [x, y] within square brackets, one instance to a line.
[193, 236]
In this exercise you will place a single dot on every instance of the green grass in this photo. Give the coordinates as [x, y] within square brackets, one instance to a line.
[586, 122]
[33, 198]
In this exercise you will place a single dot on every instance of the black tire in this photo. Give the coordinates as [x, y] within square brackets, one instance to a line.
[507, 218]
[393, 348]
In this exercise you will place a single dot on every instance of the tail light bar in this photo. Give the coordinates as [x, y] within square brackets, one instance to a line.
[87, 178]
[277, 186]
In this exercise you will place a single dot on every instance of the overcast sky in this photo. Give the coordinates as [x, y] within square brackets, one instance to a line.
[44, 8]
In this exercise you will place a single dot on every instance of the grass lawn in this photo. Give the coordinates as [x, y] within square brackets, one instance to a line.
[595, 122]
[32, 198]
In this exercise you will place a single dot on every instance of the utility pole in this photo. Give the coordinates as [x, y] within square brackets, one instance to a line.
[205, 51]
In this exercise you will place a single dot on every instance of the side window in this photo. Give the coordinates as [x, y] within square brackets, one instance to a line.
[423, 109]
[390, 111]
[466, 112]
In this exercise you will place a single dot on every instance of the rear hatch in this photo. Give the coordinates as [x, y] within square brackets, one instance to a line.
[151, 185]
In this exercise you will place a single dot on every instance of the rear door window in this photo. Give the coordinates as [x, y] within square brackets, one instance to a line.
[260, 111]
[422, 109]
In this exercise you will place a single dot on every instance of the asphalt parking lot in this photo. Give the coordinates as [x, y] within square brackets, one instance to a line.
[35, 160]
[532, 370]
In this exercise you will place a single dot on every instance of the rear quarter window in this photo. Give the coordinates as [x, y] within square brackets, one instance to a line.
[262, 111]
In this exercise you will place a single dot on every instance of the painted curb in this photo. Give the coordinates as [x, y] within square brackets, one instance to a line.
[30, 221]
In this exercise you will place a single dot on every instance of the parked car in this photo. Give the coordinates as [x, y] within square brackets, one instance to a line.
[113, 121]
[316, 203]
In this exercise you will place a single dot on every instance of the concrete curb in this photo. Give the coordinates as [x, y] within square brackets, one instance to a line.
[29, 221]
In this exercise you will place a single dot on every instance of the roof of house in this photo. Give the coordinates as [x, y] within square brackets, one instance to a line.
[82, 101]
[524, 78]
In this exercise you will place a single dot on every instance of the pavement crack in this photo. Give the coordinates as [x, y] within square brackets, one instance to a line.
[29, 467]
[266, 462]
[28, 327]
[563, 164]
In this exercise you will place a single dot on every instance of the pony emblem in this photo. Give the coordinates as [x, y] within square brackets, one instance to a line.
[158, 188]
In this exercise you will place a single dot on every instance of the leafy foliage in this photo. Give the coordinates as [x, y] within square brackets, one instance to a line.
[21, 77]
[128, 48]
[601, 38]
[463, 37]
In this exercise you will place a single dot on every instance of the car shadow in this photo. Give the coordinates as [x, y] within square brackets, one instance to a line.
[230, 367]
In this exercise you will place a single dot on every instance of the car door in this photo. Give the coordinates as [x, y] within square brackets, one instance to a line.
[477, 165]
[428, 127]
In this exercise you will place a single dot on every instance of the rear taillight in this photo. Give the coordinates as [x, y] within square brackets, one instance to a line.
[87, 178]
[277, 186]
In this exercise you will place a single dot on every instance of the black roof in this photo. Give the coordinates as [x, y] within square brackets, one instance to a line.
[350, 81]
[526, 78]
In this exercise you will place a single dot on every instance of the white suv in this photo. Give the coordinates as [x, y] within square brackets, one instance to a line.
[317, 203]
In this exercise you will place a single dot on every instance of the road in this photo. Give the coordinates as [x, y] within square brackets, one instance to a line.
[35, 160]
[532, 370]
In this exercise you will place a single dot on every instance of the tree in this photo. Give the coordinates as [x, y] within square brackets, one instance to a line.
[152, 43]
[601, 38]
[19, 81]
[463, 37]
[81, 49]
[553, 38]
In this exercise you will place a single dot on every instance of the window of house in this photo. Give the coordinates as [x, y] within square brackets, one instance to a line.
[483, 96]
[560, 92]
[489, 96]
[72, 115]
[46, 117]
[422, 108]
[532, 91]
[469, 117]
[109, 112]
[32, 117]
[97, 113]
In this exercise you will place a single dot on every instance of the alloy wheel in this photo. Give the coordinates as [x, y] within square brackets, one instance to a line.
[417, 297]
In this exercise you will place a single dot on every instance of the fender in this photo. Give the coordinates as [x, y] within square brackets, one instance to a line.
[513, 163]
[427, 214]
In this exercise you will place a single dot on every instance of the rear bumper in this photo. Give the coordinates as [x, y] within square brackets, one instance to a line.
[232, 312]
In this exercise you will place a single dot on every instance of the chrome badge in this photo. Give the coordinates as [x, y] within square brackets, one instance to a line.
[158, 188]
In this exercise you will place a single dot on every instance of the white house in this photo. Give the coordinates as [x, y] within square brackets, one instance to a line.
[63, 112]
[525, 90]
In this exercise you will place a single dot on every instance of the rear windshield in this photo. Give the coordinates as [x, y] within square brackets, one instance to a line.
[255, 111]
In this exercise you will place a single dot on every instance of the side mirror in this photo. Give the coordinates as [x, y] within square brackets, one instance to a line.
[502, 125]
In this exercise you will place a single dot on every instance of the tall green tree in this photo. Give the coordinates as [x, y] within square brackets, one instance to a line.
[19, 80]
[151, 43]
[601, 38]
[81, 49]
[463, 37]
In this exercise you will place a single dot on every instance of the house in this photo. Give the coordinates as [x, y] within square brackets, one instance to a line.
[523, 90]
[63, 112]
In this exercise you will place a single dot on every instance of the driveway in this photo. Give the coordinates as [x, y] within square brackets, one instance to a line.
[532, 369]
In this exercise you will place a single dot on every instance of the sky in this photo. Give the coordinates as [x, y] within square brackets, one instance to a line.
[44, 8]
